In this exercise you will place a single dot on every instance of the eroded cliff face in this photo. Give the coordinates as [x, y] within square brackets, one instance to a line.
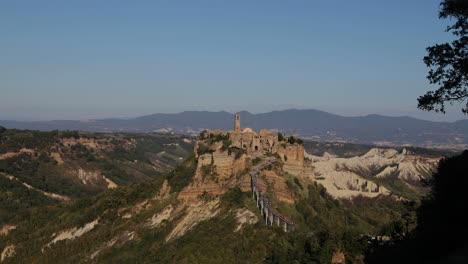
[224, 161]
[359, 175]
[216, 173]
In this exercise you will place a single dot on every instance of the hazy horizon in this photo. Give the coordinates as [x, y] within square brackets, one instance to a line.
[91, 60]
[422, 116]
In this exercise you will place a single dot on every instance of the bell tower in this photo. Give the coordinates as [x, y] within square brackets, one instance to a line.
[237, 127]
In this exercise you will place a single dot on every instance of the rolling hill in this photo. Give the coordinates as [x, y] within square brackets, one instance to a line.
[309, 124]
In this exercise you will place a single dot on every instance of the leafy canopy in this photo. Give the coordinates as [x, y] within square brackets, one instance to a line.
[448, 62]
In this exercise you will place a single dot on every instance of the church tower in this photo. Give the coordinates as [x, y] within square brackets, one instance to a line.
[237, 127]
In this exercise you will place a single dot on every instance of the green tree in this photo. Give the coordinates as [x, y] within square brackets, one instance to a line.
[448, 63]
[280, 137]
[442, 216]
[441, 231]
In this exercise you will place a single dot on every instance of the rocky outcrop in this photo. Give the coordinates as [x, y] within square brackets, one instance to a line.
[225, 157]
[110, 183]
[348, 177]
[216, 173]
[157, 219]
[194, 213]
[117, 241]
[6, 229]
[87, 177]
[94, 178]
[292, 154]
[8, 252]
[14, 154]
[338, 258]
[73, 233]
[57, 157]
[245, 217]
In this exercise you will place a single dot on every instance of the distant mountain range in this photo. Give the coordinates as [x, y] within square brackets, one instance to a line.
[309, 124]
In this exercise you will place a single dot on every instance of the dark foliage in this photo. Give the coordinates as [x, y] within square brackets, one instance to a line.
[256, 161]
[17, 201]
[280, 137]
[441, 232]
[291, 140]
[238, 152]
[233, 198]
[204, 149]
[182, 175]
[442, 218]
[13, 140]
[448, 63]
[218, 137]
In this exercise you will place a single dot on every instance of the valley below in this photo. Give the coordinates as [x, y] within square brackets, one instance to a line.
[85, 197]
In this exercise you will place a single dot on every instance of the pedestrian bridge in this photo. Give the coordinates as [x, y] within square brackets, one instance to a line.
[272, 217]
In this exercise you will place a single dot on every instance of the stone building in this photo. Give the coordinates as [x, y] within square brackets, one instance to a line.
[218, 151]
[256, 144]
[237, 123]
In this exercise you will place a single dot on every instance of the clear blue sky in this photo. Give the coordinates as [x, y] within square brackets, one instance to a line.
[94, 59]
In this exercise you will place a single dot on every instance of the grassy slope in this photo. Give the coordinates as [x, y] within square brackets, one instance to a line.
[41, 171]
[324, 225]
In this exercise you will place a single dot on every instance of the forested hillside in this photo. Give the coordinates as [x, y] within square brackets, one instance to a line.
[136, 200]
[127, 225]
[45, 168]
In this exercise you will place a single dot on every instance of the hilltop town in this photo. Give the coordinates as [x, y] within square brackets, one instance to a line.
[225, 158]
[228, 183]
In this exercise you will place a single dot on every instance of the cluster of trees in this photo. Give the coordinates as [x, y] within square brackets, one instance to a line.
[238, 152]
[441, 230]
[13, 140]
[210, 139]
[448, 62]
[17, 201]
[324, 224]
[290, 139]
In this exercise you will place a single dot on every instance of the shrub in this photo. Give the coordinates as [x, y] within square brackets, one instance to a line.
[256, 161]
[203, 134]
[205, 170]
[296, 181]
[237, 152]
[226, 144]
[280, 137]
[203, 149]
[291, 140]
[233, 198]
[219, 137]
[182, 175]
